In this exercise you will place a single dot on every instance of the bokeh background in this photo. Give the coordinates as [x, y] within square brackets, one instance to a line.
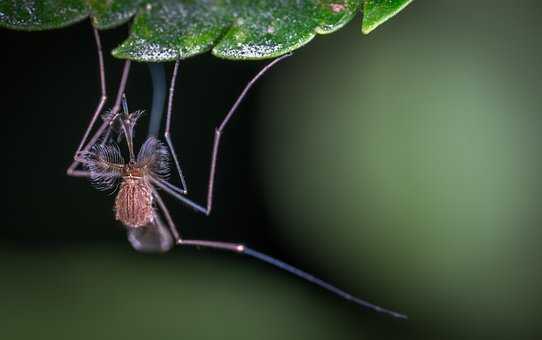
[402, 166]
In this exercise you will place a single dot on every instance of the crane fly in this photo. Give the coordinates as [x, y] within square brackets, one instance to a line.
[138, 204]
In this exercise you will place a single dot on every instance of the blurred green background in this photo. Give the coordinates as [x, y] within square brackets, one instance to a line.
[402, 166]
[411, 162]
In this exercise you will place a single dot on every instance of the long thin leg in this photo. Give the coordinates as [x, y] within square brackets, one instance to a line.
[183, 189]
[103, 98]
[242, 249]
[176, 192]
[103, 88]
[105, 125]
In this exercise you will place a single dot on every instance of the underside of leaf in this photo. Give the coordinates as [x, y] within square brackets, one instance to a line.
[232, 29]
[166, 30]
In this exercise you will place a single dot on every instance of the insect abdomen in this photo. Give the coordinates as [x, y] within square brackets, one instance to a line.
[133, 205]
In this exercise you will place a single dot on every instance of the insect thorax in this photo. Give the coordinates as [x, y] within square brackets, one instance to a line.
[133, 204]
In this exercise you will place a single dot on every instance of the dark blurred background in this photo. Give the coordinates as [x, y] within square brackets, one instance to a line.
[402, 166]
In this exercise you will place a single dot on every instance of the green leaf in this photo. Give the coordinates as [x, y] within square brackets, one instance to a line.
[376, 12]
[35, 15]
[167, 30]
[264, 29]
[233, 29]
[111, 13]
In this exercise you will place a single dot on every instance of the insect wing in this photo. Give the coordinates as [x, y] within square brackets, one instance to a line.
[151, 238]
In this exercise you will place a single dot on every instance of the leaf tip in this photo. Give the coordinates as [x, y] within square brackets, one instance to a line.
[375, 13]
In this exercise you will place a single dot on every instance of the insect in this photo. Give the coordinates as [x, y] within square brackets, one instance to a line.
[138, 204]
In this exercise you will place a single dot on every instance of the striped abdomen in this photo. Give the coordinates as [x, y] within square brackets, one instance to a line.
[133, 205]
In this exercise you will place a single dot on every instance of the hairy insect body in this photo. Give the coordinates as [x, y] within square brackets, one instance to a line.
[135, 198]
[134, 202]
